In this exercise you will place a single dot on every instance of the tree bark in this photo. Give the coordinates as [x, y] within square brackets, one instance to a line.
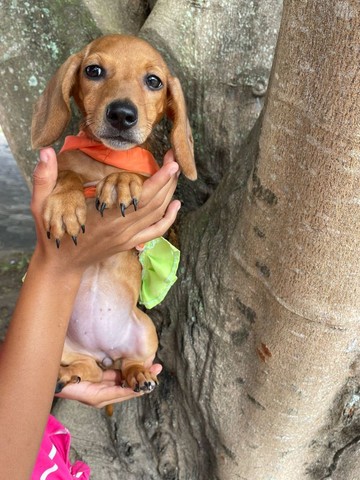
[114, 16]
[277, 310]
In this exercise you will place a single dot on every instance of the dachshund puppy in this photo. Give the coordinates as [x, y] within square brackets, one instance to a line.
[123, 88]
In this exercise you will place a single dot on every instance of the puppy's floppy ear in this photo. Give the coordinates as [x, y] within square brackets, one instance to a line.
[180, 137]
[52, 110]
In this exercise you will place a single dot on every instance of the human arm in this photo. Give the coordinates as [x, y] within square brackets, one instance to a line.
[31, 353]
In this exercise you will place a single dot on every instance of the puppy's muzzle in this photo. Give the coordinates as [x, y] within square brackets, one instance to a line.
[122, 115]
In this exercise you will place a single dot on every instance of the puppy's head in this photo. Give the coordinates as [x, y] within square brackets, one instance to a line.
[122, 87]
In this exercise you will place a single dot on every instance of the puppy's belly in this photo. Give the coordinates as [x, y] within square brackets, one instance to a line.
[104, 323]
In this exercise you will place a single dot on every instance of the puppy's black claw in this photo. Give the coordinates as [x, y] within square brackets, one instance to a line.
[97, 203]
[74, 238]
[102, 208]
[48, 234]
[137, 388]
[57, 241]
[122, 208]
[83, 228]
[135, 203]
[59, 386]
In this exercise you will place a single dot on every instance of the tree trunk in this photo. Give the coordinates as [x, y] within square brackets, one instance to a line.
[276, 312]
[258, 338]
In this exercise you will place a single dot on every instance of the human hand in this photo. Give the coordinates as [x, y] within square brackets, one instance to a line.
[107, 392]
[113, 233]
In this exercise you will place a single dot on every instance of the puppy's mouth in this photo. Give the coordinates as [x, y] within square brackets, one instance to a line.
[121, 139]
[118, 142]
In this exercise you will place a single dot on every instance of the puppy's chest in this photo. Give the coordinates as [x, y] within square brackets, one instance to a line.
[107, 295]
[89, 169]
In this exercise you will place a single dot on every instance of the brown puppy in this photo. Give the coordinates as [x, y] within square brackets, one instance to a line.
[122, 87]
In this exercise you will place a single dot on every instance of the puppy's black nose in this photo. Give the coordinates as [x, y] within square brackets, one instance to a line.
[122, 114]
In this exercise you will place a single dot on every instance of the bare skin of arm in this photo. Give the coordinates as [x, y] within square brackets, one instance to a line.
[31, 353]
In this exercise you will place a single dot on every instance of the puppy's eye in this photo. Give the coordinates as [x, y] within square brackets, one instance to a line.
[153, 82]
[94, 71]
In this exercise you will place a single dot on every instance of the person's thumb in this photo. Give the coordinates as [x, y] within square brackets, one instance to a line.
[44, 178]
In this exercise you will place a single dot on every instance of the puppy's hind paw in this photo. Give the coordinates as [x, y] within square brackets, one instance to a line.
[141, 380]
[60, 384]
[145, 387]
[59, 387]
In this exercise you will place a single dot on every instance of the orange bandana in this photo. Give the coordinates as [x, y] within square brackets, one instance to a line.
[136, 160]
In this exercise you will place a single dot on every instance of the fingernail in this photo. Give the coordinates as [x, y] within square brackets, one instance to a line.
[174, 167]
[44, 156]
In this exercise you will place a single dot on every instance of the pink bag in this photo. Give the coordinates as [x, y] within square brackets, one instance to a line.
[53, 459]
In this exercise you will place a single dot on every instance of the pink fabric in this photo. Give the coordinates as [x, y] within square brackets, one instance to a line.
[53, 459]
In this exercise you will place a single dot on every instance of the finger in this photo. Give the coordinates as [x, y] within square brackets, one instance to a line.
[156, 369]
[169, 157]
[148, 217]
[159, 228]
[44, 179]
[155, 208]
[111, 395]
[119, 399]
[97, 395]
[158, 181]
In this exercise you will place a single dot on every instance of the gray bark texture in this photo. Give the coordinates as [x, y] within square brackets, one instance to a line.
[259, 337]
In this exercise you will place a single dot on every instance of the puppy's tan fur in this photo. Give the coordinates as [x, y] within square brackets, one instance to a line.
[127, 62]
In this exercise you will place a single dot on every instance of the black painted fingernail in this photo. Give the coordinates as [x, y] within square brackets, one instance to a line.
[57, 241]
[102, 208]
[122, 208]
[48, 234]
[97, 203]
[74, 237]
[83, 228]
[135, 203]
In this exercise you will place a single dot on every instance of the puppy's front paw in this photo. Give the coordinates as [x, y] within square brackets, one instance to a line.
[121, 189]
[65, 212]
[140, 379]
